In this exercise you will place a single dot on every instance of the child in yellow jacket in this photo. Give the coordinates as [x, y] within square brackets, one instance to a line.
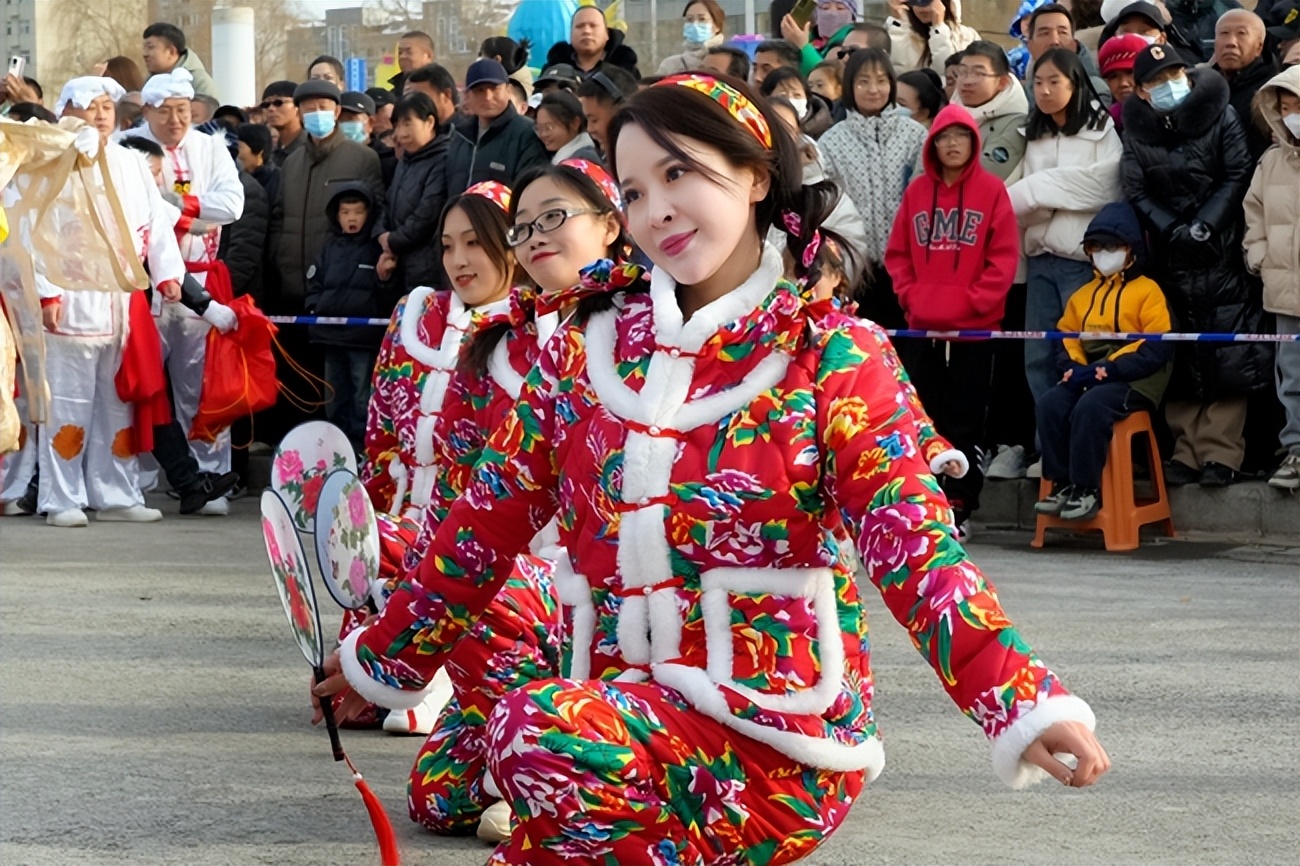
[1102, 381]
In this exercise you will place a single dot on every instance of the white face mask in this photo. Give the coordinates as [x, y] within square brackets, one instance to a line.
[1149, 40]
[1110, 262]
[800, 106]
[1292, 123]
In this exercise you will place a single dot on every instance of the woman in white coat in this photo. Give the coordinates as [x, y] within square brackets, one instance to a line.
[1071, 169]
[925, 35]
[703, 23]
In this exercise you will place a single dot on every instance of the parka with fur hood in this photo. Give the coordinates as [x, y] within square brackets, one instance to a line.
[1272, 242]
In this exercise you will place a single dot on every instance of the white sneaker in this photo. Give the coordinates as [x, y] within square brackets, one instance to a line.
[494, 826]
[15, 509]
[1009, 463]
[133, 514]
[964, 531]
[421, 719]
[218, 507]
[71, 517]
[1036, 470]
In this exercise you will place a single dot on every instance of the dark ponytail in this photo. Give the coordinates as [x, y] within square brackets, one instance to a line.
[667, 111]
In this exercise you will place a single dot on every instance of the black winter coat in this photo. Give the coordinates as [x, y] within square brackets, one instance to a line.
[616, 54]
[507, 148]
[243, 242]
[1193, 166]
[1242, 87]
[416, 198]
[343, 281]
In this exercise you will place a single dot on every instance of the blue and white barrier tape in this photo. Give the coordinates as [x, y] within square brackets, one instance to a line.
[1171, 337]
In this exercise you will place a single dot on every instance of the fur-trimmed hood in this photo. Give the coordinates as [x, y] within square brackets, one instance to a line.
[1202, 109]
[1266, 109]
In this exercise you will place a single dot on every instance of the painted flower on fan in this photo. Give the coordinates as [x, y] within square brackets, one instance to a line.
[357, 511]
[358, 578]
[311, 493]
[299, 608]
[288, 466]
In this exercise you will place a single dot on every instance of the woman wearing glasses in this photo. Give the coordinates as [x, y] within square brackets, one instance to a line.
[451, 366]
[562, 127]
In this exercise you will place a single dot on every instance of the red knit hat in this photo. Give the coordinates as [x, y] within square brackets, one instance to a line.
[1118, 53]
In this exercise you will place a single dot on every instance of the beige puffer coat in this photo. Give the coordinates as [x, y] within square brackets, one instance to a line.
[1272, 241]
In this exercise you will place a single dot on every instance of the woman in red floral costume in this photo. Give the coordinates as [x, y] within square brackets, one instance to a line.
[703, 443]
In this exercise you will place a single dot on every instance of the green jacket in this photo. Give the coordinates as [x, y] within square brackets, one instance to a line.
[812, 56]
[203, 83]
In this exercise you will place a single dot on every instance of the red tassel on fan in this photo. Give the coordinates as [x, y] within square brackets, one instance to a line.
[389, 855]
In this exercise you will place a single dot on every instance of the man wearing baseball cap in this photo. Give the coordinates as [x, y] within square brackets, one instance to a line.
[561, 76]
[492, 142]
[1186, 169]
[356, 121]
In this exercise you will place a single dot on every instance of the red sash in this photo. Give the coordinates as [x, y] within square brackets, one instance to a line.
[140, 380]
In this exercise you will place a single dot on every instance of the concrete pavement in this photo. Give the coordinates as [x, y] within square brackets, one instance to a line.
[153, 710]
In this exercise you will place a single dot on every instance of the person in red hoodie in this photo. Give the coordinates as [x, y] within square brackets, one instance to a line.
[952, 255]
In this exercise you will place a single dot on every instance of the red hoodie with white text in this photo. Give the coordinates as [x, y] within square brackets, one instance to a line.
[953, 250]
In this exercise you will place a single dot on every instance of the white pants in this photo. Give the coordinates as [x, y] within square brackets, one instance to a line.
[86, 448]
[19, 465]
[184, 343]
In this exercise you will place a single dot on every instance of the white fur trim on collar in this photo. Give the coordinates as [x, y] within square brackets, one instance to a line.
[690, 336]
[1011, 744]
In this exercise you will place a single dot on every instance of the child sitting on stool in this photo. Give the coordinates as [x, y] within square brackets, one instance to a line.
[1102, 381]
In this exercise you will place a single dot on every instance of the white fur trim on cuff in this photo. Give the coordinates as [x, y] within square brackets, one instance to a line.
[1008, 748]
[936, 465]
[363, 684]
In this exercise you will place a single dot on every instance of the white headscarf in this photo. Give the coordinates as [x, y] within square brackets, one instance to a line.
[168, 85]
[80, 92]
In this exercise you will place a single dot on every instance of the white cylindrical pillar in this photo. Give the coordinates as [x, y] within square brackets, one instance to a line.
[234, 64]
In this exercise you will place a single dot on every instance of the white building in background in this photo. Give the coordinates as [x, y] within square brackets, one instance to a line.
[30, 32]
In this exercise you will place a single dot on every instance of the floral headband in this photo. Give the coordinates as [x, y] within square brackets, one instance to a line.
[737, 104]
[493, 191]
[601, 178]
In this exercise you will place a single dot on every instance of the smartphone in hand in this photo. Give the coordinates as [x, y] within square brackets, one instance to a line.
[803, 11]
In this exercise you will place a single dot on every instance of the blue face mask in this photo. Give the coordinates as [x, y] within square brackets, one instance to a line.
[319, 124]
[697, 32]
[353, 130]
[1169, 95]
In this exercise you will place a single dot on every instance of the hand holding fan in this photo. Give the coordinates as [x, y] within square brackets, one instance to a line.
[293, 583]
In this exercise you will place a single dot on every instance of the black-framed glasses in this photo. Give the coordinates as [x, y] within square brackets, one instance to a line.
[845, 50]
[545, 223]
[607, 84]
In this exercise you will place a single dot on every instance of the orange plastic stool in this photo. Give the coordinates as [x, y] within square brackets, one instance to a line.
[1122, 515]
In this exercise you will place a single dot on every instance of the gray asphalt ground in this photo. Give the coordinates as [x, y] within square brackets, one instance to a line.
[153, 711]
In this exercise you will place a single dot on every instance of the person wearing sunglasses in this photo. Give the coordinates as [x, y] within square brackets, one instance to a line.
[281, 116]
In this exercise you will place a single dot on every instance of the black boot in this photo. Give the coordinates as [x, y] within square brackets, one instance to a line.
[207, 487]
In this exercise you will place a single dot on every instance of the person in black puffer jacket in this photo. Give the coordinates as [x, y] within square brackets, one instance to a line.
[1185, 170]
[593, 45]
[409, 227]
[343, 282]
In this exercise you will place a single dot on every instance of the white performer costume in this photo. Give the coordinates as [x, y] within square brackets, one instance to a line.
[86, 450]
[200, 170]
